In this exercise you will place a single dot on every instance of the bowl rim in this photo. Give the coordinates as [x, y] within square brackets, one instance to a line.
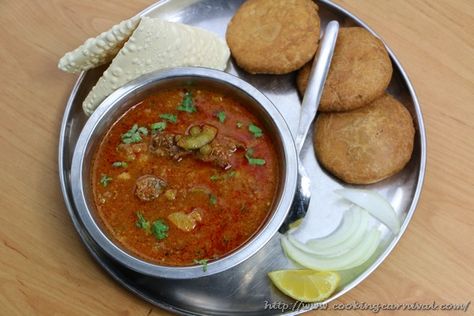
[251, 246]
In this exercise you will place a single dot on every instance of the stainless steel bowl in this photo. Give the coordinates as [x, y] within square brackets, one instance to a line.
[132, 93]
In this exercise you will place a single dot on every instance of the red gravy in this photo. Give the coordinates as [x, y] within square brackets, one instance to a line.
[185, 176]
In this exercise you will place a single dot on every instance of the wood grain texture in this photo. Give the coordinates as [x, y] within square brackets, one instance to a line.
[44, 268]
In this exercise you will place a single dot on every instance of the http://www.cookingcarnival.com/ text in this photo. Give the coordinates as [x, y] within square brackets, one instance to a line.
[364, 306]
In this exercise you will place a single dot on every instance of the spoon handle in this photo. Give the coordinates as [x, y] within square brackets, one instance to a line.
[317, 78]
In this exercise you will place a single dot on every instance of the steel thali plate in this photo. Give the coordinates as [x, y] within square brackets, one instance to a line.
[246, 289]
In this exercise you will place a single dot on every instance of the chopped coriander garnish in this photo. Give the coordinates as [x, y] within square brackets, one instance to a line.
[120, 164]
[142, 130]
[134, 129]
[252, 160]
[221, 116]
[187, 105]
[133, 135]
[202, 262]
[239, 124]
[256, 161]
[213, 199]
[135, 138]
[255, 130]
[169, 117]
[142, 223]
[157, 127]
[249, 152]
[226, 176]
[159, 229]
[105, 180]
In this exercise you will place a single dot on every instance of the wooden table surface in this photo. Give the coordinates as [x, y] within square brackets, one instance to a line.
[45, 269]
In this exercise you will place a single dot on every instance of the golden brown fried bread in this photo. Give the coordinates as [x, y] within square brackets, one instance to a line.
[368, 144]
[274, 36]
[360, 71]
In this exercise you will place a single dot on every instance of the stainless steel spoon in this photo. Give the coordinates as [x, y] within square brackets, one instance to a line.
[309, 108]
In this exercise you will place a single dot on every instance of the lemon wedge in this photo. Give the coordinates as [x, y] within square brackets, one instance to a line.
[305, 285]
[295, 223]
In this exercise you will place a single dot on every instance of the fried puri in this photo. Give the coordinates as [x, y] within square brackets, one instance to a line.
[360, 71]
[365, 145]
[274, 36]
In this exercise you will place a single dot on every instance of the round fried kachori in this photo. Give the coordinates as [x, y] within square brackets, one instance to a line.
[368, 144]
[274, 36]
[360, 71]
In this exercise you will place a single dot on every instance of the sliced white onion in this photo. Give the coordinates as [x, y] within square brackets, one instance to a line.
[350, 221]
[375, 204]
[353, 258]
[349, 238]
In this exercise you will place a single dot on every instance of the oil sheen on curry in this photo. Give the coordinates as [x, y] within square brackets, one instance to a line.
[185, 177]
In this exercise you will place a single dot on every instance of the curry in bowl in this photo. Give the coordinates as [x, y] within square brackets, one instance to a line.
[185, 176]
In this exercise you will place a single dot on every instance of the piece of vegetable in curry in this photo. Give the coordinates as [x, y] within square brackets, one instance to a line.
[198, 137]
[174, 181]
